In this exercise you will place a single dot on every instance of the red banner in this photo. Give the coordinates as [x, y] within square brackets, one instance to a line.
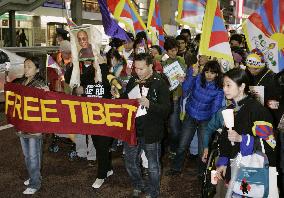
[35, 110]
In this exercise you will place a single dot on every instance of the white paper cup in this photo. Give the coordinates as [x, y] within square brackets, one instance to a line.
[214, 178]
[228, 115]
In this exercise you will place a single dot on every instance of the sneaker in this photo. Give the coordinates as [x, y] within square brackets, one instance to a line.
[172, 172]
[112, 149]
[136, 193]
[192, 156]
[29, 191]
[91, 163]
[110, 173]
[27, 182]
[145, 172]
[172, 155]
[98, 183]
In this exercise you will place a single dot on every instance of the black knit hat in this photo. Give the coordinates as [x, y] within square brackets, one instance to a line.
[4, 57]
[63, 33]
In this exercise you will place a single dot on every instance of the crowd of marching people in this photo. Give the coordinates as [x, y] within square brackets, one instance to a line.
[173, 116]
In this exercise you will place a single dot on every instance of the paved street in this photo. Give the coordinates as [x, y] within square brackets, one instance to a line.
[62, 178]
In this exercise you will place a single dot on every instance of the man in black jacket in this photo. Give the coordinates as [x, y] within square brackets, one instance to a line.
[261, 75]
[149, 127]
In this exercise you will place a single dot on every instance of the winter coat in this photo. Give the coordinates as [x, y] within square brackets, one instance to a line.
[152, 125]
[203, 102]
[36, 82]
[272, 91]
[252, 121]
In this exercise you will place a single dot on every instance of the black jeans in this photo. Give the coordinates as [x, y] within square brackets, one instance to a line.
[103, 154]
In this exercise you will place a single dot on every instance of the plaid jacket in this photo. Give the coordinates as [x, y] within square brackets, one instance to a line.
[36, 82]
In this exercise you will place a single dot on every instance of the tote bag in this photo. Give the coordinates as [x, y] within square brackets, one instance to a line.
[249, 176]
[252, 179]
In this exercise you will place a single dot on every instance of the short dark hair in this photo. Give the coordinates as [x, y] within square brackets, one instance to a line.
[197, 37]
[141, 35]
[113, 52]
[239, 76]
[35, 60]
[280, 77]
[144, 57]
[63, 33]
[186, 31]
[137, 41]
[158, 48]
[181, 37]
[240, 51]
[116, 42]
[170, 43]
[130, 35]
[236, 37]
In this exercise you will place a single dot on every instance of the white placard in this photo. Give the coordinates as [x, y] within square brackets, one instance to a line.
[129, 63]
[134, 93]
[172, 71]
[258, 91]
[228, 116]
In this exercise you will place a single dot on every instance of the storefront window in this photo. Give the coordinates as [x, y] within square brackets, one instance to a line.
[91, 6]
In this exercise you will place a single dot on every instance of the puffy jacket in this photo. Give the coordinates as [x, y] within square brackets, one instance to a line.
[203, 102]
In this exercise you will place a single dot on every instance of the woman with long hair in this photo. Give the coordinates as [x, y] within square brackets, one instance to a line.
[32, 142]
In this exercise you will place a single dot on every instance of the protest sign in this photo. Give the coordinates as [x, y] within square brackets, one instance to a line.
[172, 71]
[35, 110]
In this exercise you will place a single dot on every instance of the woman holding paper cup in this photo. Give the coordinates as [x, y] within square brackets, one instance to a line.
[251, 121]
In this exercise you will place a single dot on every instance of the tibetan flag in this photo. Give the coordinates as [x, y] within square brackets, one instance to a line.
[125, 12]
[111, 28]
[214, 38]
[264, 29]
[50, 62]
[190, 12]
[70, 23]
[155, 24]
[264, 130]
[203, 2]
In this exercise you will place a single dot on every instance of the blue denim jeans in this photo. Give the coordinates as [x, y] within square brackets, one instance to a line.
[189, 127]
[32, 149]
[132, 164]
[175, 126]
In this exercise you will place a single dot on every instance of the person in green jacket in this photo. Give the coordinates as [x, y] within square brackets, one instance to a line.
[171, 47]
